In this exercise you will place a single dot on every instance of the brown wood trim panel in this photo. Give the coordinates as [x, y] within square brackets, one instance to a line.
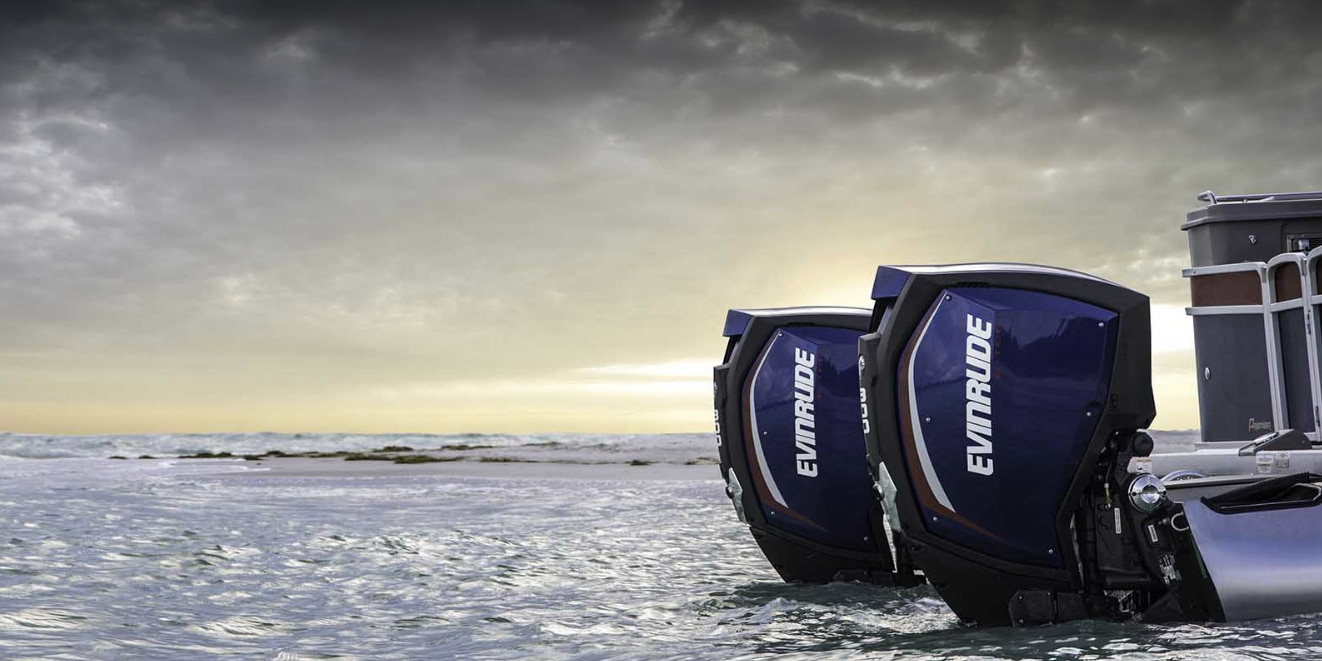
[1286, 282]
[1237, 288]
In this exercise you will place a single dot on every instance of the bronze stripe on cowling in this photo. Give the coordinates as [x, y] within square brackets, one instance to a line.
[1287, 284]
[924, 490]
[1237, 288]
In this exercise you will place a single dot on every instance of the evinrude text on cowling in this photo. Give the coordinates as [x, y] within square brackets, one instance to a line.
[978, 405]
[805, 432]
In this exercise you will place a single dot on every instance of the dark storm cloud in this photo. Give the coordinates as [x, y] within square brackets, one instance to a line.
[399, 180]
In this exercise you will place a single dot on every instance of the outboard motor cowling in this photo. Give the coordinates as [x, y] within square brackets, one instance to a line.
[989, 393]
[791, 443]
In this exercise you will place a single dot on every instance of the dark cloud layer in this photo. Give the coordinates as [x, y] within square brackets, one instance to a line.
[336, 191]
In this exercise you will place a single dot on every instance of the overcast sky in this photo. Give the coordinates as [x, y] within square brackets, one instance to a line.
[518, 216]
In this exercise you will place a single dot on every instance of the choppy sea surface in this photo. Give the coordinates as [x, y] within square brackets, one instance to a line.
[180, 559]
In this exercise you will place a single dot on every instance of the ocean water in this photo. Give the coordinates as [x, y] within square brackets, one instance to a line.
[567, 448]
[195, 559]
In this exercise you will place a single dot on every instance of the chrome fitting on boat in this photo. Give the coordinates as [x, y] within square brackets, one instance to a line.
[1146, 493]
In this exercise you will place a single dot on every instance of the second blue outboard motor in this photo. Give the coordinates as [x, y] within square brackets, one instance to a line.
[791, 443]
[989, 393]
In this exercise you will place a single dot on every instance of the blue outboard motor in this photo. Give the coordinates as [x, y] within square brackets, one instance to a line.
[990, 393]
[791, 443]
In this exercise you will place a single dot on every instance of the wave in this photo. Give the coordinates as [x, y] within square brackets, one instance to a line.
[588, 448]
